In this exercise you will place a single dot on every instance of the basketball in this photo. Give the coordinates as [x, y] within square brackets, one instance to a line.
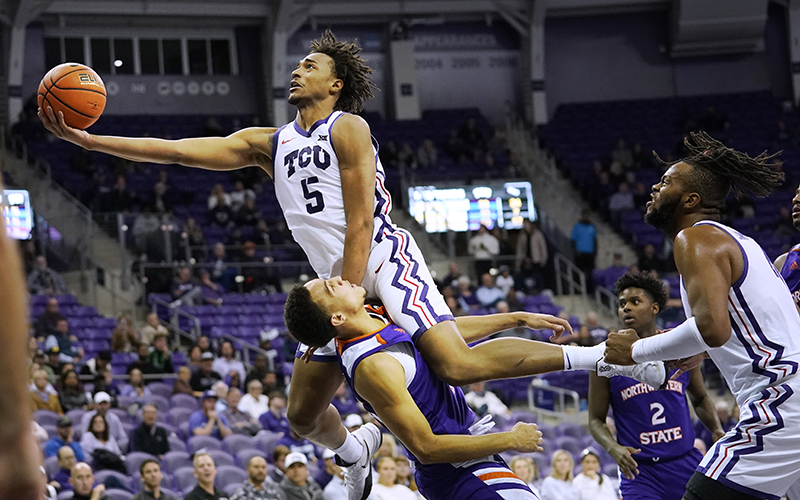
[75, 90]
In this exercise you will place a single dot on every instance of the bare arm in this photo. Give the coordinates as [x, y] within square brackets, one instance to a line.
[380, 379]
[474, 328]
[247, 147]
[702, 404]
[599, 390]
[780, 261]
[353, 142]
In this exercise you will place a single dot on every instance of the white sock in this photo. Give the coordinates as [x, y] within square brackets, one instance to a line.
[582, 358]
[351, 450]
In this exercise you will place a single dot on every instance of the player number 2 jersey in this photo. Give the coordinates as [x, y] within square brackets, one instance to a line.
[308, 187]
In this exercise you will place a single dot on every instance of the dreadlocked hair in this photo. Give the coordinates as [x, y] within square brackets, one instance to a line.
[719, 169]
[350, 68]
[654, 287]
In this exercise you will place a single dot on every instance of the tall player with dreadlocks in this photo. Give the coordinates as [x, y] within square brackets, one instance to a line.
[740, 311]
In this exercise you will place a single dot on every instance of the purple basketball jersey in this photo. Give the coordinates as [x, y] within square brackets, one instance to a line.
[791, 272]
[656, 421]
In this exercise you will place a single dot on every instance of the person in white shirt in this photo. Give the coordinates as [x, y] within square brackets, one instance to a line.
[558, 485]
[591, 483]
[484, 247]
[335, 489]
[525, 469]
[153, 328]
[254, 403]
[226, 363]
[483, 401]
[385, 488]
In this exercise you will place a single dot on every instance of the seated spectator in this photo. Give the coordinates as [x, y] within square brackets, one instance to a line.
[46, 322]
[83, 485]
[66, 461]
[102, 403]
[205, 470]
[218, 196]
[297, 485]
[64, 437]
[467, 299]
[406, 158]
[142, 363]
[451, 279]
[241, 421]
[279, 454]
[248, 214]
[558, 485]
[525, 469]
[591, 482]
[332, 476]
[220, 388]
[599, 333]
[240, 195]
[205, 376]
[483, 401]
[68, 350]
[584, 337]
[194, 238]
[649, 260]
[254, 403]
[259, 368]
[135, 387]
[353, 422]
[217, 265]
[145, 228]
[160, 202]
[124, 338]
[44, 280]
[184, 291]
[258, 485]
[210, 292]
[641, 195]
[104, 382]
[182, 383]
[226, 362]
[256, 277]
[98, 436]
[298, 444]
[404, 474]
[505, 282]
[99, 362]
[427, 155]
[159, 359]
[265, 341]
[149, 437]
[275, 419]
[206, 421]
[72, 396]
[611, 274]
[620, 202]
[344, 401]
[153, 328]
[387, 488]
[150, 472]
[488, 294]
[195, 353]
[41, 399]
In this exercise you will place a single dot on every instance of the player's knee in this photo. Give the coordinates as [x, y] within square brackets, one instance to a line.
[302, 422]
[457, 372]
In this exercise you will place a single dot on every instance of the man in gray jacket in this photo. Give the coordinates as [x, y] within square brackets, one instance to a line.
[297, 485]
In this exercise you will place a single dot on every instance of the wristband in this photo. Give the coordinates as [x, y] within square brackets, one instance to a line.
[681, 342]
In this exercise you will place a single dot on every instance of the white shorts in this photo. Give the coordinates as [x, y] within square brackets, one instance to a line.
[398, 276]
[760, 456]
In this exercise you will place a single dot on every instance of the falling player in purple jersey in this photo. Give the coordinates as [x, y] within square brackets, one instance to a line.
[654, 425]
[789, 263]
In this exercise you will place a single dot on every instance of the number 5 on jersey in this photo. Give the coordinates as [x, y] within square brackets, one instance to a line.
[317, 204]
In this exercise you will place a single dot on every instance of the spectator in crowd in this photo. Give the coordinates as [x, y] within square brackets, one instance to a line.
[66, 461]
[279, 454]
[258, 484]
[68, 350]
[99, 362]
[241, 422]
[142, 364]
[240, 195]
[182, 383]
[406, 158]
[46, 322]
[298, 444]
[468, 300]
[194, 238]
[119, 198]
[217, 265]
[266, 340]
[404, 475]
[387, 488]
[233, 379]
[44, 280]
[72, 396]
[206, 421]
[145, 226]
[335, 489]
[124, 338]
[218, 196]
[135, 387]
[226, 362]
[622, 154]
[205, 376]
[159, 359]
[584, 244]
[297, 485]
[525, 469]
[210, 292]
[483, 247]
[275, 419]
[41, 399]
[649, 259]
[583, 337]
[220, 388]
[205, 470]
[532, 244]
[153, 328]
[102, 403]
[184, 290]
[160, 202]
[620, 202]
[505, 282]
[248, 214]
[611, 274]
[344, 401]
[259, 368]
[528, 281]
[195, 355]
[204, 343]
[97, 436]
[591, 483]
[598, 332]
[483, 401]
[451, 279]
[388, 155]
[353, 421]
[641, 195]
[558, 485]
[256, 277]
[150, 472]
[488, 294]
[254, 403]
[83, 485]
[104, 382]
[64, 437]
[149, 437]
[427, 155]
[471, 135]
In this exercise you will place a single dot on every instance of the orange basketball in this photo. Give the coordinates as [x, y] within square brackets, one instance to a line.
[75, 90]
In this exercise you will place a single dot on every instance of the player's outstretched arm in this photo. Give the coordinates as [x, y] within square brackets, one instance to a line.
[702, 403]
[599, 388]
[247, 147]
[474, 328]
[380, 379]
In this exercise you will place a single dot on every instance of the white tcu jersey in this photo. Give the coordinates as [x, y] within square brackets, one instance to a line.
[764, 347]
[308, 187]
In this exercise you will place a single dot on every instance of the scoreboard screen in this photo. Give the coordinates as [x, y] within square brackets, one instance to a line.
[17, 213]
[458, 207]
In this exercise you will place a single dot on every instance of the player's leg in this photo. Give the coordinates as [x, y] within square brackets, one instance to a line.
[702, 487]
[309, 410]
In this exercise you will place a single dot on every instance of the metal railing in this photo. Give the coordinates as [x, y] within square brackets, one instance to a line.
[566, 403]
[569, 278]
[247, 348]
[194, 333]
[606, 299]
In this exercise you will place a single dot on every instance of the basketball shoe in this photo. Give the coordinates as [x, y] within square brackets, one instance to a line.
[358, 475]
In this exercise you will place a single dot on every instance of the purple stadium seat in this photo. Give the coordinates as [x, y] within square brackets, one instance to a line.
[570, 429]
[522, 416]
[230, 474]
[183, 430]
[101, 476]
[117, 494]
[266, 442]
[199, 442]
[235, 442]
[230, 489]
[65, 495]
[179, 415]
[184, 401]
[244, 455]
[174, 460]
[221, 457]
[184, 478]
[161, 402]
[51, 466]
[134, 459]
[160, 389]
[46, 417]
[570, 444]
[548, 431]
[611, 470]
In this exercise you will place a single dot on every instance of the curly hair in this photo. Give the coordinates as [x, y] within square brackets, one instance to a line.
[348, 66]
[305, 320]
[719, 169]
[654, 287]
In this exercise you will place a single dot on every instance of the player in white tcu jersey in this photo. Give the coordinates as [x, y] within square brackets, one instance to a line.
[329, 183]
[740, 311]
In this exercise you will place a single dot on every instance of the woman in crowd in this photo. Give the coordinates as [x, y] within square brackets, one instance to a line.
[558, 485]
[72, 395]
[98, 437]
[135, 387]
[525, 469]
[591, 483]
[404, 475]
[386, 488]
